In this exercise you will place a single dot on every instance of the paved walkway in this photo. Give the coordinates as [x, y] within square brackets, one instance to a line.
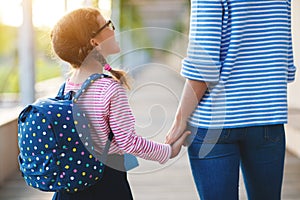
[154, 100]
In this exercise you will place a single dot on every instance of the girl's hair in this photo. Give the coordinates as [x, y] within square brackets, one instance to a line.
[120, 76]
[71, 39]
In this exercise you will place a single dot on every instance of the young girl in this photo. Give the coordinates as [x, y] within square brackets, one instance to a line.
[84, 39]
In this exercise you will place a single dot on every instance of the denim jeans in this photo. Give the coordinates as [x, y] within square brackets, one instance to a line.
[216, 156]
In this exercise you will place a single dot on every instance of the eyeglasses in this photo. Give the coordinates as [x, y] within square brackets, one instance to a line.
[108, 24]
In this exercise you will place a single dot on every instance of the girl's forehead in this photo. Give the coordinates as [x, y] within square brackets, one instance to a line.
[101, 19]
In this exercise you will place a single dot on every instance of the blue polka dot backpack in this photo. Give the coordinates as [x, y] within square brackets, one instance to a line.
[56, 150]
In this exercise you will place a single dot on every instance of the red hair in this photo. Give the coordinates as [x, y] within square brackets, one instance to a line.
[71, 38]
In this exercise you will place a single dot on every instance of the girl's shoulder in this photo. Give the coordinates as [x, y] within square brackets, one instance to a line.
[108, 84]
[103, 86]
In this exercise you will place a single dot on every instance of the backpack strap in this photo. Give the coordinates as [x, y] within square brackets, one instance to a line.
[61, 90]
[107, 146]
[86, 84]
[61, 93]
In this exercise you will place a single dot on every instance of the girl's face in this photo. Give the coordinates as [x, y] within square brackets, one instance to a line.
[105, 38]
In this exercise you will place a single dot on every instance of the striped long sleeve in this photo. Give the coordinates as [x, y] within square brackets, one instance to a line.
[122, 123]
[291, 67]
[106, 105]
[245, 49]
[203, 56]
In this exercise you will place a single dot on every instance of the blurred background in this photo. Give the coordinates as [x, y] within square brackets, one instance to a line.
[153, 36]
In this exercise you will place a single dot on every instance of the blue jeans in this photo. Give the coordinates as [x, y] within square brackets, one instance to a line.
[216, 156]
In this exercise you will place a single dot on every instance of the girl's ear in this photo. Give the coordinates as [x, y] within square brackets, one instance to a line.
[93, 42]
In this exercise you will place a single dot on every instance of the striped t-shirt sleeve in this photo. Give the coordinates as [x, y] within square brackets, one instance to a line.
[291, 66]
[203, 55]
[122, 123]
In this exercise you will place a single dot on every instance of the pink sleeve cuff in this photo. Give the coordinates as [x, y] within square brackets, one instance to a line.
[168, 154]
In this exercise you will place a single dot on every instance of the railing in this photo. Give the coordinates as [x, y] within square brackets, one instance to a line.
[8, 145]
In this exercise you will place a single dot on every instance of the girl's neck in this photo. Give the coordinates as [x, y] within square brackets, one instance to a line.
[81, 74]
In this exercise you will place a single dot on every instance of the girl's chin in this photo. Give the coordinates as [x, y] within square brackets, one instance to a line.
[111, 48]
[116, 50]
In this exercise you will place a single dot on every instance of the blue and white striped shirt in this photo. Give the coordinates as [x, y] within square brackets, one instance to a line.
[243, 48]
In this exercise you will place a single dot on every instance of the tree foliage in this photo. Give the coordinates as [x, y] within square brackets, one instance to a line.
[45, 66]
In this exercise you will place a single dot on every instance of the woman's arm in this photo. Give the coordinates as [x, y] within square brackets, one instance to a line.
[192, 94]
[202, 64]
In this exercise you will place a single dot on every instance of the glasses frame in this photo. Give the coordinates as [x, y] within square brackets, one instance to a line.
[107, 24]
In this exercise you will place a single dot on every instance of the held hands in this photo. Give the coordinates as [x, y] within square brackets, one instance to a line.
[177, 136]
[176, 146]
[176, 131]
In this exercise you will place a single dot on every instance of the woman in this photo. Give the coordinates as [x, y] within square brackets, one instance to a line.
[237, 68]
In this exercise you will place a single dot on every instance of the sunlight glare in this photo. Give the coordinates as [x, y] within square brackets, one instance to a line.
[45, 13]
[105, 8]
[11, 12]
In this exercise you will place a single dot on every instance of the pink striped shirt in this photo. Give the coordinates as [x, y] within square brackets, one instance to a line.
[106, 103]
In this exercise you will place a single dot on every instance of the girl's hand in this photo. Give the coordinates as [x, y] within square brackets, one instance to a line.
[176, 146]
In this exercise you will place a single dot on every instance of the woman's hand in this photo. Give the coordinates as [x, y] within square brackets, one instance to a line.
[176, 131]
[176, 146]
[191, 95]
